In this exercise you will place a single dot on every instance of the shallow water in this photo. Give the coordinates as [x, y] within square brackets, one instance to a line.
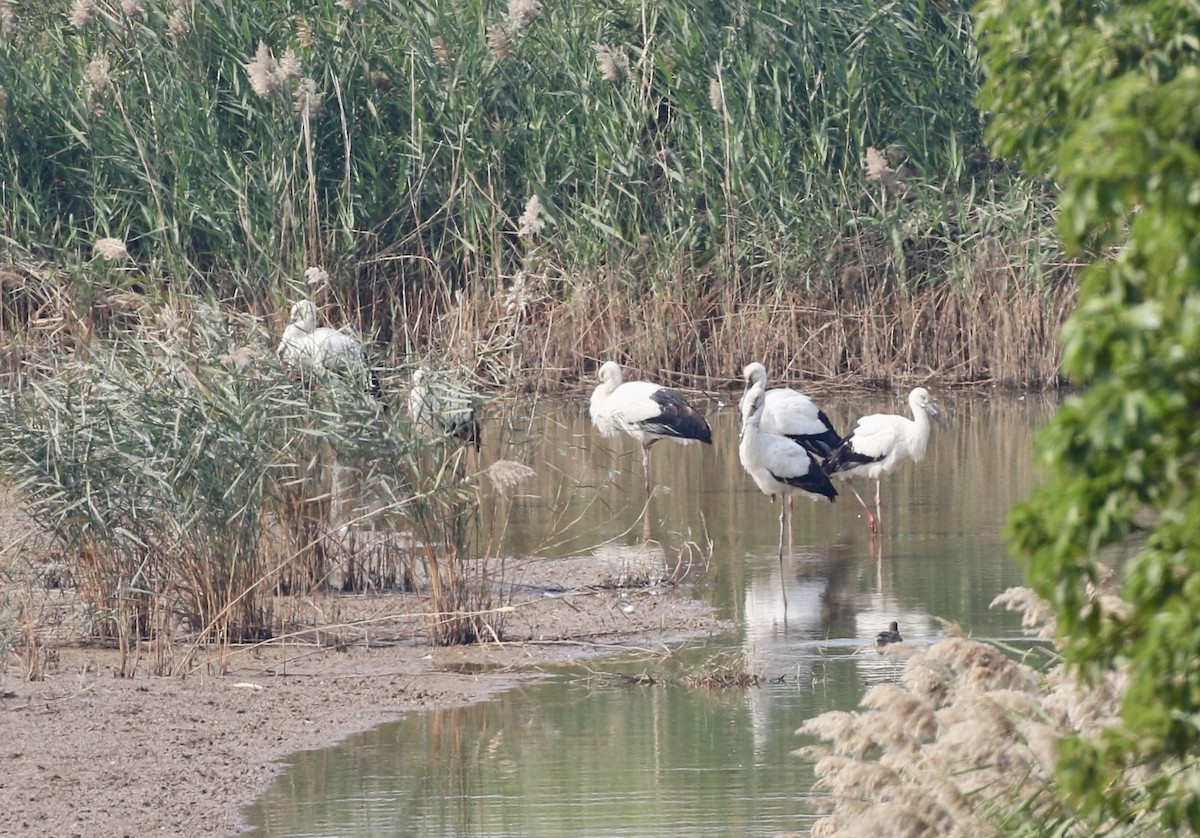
[591, 752]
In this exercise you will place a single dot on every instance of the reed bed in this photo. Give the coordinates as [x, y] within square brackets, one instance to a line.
[190, 478]
[967, 742]
[530, 187]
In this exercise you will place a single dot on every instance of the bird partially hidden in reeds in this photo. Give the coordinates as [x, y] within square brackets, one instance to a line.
[307, 346]
[451, 413]
[647, 412]
[889, 636]
[778, 465]
[880, 443]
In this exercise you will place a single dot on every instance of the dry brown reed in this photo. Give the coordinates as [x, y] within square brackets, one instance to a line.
[968, 738]
[725, 671]
[697, 330]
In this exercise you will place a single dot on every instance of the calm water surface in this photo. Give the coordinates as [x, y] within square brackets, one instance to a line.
[586, 753]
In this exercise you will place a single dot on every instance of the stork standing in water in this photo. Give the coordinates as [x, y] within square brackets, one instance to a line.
[305, 345]
[645, 411]
[778, 465]
[881, 442]
[793, 415]
[451, 413]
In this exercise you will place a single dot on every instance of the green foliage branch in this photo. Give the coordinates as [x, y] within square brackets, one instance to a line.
[1105, 98]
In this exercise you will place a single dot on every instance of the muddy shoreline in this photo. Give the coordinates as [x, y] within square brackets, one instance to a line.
[87, 752]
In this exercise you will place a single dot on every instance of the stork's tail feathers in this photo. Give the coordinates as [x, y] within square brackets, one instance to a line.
[845, 458]
[816, 481]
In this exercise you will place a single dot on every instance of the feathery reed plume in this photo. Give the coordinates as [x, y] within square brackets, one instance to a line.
[501, 36]
[879, 169]
[441, 52]
[531, 224]
[848, 778]
[929, 679]
[111, 249]
[500, 41]
[1037, 615]
[516, 298]
[877, 166]
[1105, 592]
[315, 276]
[983, 667]
[614, 63]
[83, 12]
[716, 95]
[304, 33]
[133, 8]
[289, 66]
[8, 20]
[915, 714]
[179, 24]
[508, 473]
[96, 73]
[917, 756]
[908, 811]
[306, 99]
[845, 731]
[263, 72]
[521, 12]
[240, 357]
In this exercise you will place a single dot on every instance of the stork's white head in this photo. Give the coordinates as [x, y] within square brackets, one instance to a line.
[418, 376]
[610, 373]
[304, 315]
[753, 374]
[919, 399]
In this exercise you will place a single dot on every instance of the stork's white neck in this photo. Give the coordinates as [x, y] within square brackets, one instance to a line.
[921, 429]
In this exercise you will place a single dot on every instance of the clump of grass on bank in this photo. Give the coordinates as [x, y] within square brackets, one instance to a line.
[706, 187]
[967, 744]
[186, 478]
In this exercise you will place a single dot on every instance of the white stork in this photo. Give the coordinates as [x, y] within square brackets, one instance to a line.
[645, 411]
[450, 413]
[305, 345]
[793, 414]
[880, 442]
[778, 465]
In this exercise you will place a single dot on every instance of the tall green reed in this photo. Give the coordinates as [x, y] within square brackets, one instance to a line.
[397, 143]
